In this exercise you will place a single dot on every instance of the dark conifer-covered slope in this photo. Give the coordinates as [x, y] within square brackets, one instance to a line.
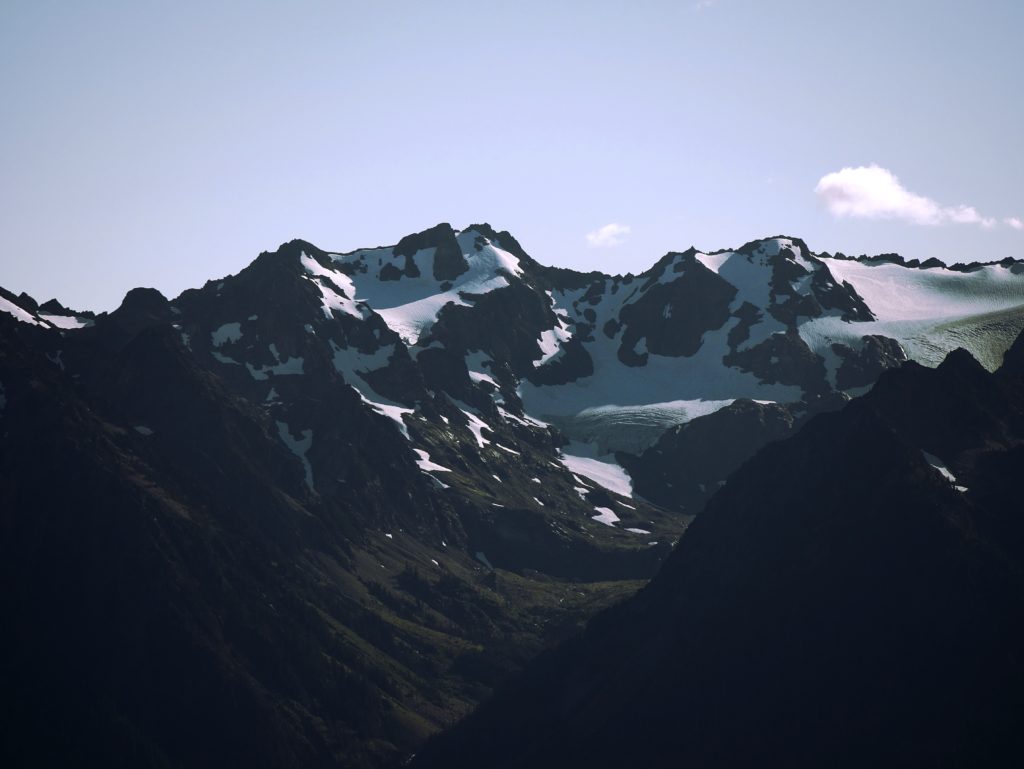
[854, 596]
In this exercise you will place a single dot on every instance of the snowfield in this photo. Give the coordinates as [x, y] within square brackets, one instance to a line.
[66, 322]
[929, 312]
[896, 293]
[410, 306]
[582, 459]
[12, 309]
[619, 406]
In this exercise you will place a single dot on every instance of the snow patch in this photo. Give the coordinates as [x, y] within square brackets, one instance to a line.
[229, 332]
[12, 309]
[326, 281]
[550, 343]
[581, 459]
[477, 426]
[480, 556]
[286, 367]
[605, 516]
[67, 322]
[224, 358]
[299, 447]
[410, 306]
[351, 364]
[944, 471]
[713, 262]
[426, 465]
[475, 362]
[526, 420]
[394, 413]
[289, 367]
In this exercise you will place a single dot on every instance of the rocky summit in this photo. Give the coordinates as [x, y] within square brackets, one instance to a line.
[315, 512]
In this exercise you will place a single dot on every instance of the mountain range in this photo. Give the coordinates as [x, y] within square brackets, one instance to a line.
[312, 513]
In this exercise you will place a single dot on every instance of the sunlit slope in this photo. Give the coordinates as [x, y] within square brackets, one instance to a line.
[930, 311]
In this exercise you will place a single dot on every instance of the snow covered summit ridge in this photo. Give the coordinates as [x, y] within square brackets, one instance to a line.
[612, 361]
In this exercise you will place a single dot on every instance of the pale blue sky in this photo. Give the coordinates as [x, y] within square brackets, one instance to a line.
[165, 143]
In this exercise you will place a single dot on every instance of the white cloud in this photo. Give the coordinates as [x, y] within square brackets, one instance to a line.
[873, 192]
[700, 5]
[1014, 222]
[612, 234]
[968, 215]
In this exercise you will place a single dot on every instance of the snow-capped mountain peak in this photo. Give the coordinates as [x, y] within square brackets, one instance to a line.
[467, 325]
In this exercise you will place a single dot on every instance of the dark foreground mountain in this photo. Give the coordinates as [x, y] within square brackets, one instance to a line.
[310, 514]
[854, 596]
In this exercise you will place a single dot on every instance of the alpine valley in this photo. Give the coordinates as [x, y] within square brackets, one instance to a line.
[312, 514]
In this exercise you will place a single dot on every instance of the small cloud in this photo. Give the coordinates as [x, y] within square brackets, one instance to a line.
[612, 234]
[969, 215]
[700, 5]
[1015, 222]
[873, 192]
